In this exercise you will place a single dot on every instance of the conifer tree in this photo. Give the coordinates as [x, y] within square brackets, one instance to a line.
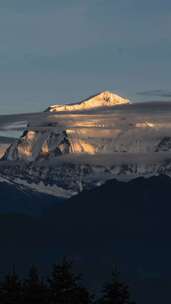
[10, 289]
[115, 292]
[34, 289]
[65, 287]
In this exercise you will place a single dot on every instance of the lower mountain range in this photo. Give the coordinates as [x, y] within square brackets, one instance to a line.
[122, 223]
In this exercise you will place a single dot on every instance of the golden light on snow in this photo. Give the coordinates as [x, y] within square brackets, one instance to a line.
[45, 148]
[25, 151]
[95, 127]
[93, 132]
[145, 124]
[81, 146]
[3, 149]
[104, 99]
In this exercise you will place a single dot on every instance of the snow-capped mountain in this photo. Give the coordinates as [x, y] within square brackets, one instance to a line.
[103, 99]
[69, 133]
[83, 145]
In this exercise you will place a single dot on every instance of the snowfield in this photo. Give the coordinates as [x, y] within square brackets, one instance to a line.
[70, 148]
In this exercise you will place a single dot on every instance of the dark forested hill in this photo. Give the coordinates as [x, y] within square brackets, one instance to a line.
[127, 224]
[18, 199]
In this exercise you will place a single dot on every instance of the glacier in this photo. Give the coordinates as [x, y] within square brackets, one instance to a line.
[73, 147]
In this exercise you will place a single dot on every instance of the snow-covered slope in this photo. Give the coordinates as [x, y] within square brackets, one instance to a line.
[68, 175]
[69, 133]
[67, 151]
[103, 99]
[102, 132]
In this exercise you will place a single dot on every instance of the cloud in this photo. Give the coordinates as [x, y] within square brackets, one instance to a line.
[155, 93]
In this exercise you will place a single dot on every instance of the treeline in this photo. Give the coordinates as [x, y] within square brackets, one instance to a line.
[62, 286]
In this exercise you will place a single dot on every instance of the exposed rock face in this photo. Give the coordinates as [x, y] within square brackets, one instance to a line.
[91, 135]
[5, 143]
[3, 149]
[67, 176]
[36, 145]
[164, 145]
[104, 99]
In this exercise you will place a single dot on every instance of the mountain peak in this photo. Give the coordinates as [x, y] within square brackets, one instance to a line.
[102, 99]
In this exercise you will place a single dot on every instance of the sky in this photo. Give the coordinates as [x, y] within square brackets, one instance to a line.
[59, 51]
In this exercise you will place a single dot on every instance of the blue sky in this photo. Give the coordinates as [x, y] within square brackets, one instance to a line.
[64, 50]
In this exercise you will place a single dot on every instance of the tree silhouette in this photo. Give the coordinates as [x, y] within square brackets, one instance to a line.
[10, 289]
[62, 287]
[116, 292]
[65, 287]
[34, 289]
